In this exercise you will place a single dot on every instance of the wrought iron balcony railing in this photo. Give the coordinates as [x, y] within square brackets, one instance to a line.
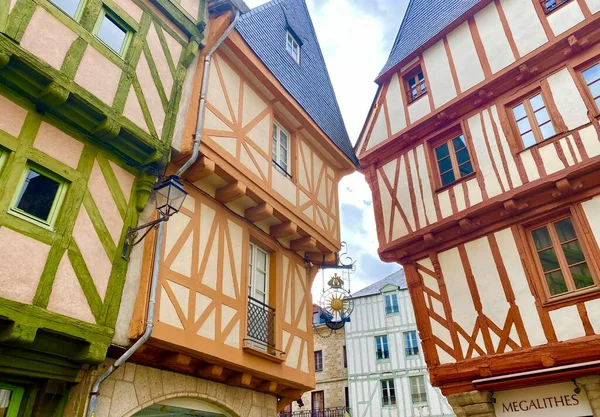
[261, 325]
[327, 412]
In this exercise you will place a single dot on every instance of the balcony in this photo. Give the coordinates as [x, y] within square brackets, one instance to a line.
[260, 337]
[327, 412]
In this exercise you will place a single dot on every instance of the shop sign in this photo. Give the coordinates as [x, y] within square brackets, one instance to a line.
[556, 400]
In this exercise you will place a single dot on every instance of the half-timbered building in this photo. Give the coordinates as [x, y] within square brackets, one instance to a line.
[90, 95]
[232, 326]
[482, 152]
[387, 375]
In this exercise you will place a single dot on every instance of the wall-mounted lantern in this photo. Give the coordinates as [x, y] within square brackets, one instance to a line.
[168, 197]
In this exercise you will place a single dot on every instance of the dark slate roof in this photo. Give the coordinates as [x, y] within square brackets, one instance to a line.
[264, 30]
[423, 20]
[397, 278]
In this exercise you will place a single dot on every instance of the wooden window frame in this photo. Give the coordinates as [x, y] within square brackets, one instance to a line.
[447, 137]
[78, 11]
[118, 21]
[413, 71]
[385, 386]
[276, 164]
[588, 93]
[319, 353]
[587, 243]
[57, 203]
[535, 128]
[558, 6]
[410, 388]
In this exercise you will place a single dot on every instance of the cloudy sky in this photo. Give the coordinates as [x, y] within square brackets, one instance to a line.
[356, 37]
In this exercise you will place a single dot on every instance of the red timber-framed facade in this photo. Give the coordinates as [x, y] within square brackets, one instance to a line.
[486, 188]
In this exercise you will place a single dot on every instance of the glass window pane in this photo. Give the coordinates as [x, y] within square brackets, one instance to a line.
[549, 260]
[519, 112]
[421, 76]
[542, 116]
[528, 139]
[541, 238]
[411, 82]
[465, 169]
[547, 130]
[448, 178]
[591, 74]
[597, 102]
[582, 276]
[67, 6]
[111, 34]
[261, 260]
[260, 282]
[536, 102]
[442, 151]
[573, 252]
[556, 283]
[37, 195]
[565, 230]
[462, 156]
[459, 143]
[595, 89]
[524, 125]
[445, 164]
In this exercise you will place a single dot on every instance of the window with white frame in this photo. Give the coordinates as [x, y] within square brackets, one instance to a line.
[388, 392]
[258, 282]
[411, 345]
[382, 349]
[391, 303]
[292, 47]
[418, 391]
[281, 149]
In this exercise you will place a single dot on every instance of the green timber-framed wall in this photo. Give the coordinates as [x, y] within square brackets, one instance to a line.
[102, 124]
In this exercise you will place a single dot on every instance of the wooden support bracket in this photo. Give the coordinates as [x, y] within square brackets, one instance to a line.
[230, 192]
[241, 379]
[258, 213]
[304, 244]
[291, 393]
[176, 360]
[431, 240]
[267, 386]
[512, 207]
[211, 372]
[282, 230]
[565, 187]
[203, 168]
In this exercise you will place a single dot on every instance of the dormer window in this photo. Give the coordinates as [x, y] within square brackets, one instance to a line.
[292, 46]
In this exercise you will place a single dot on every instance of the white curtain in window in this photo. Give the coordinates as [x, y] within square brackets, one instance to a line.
[4, 398]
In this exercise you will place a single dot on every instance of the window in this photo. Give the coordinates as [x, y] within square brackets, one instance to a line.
[318, 360]
[453, 160]
[533, 121]
[281, 150]
[391, 303]
[112, 32]
[10, 399]
[415, 84]
[345, 358]
[592, 80]
[39, 197]
[292, 47]
[418, 392]
[346, 397]
[550, 5]
[411, 345]
[258, 282]
[388, 392]
[562, 257]
[73, 8]
[381, 344]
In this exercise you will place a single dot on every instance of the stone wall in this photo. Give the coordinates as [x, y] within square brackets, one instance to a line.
[132, 388]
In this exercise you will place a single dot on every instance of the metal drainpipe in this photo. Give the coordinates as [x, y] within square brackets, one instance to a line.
[160, 234]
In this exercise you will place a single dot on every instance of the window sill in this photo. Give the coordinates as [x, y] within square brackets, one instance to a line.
[277, 357]
[550, 140]
[416, 99]
[456, 182]
[571, 298]
[395, 313]
[383, 360]
[31, 219]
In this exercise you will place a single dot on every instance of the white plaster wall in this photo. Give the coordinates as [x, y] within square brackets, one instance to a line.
[589, 137]
[284, 186]
[508, 155]
[592, 211]
[464, 55]
[379, 132]
[495, 42]
[12, 116]
[444, 202]
[518, 282]
[594, 5]
[567, 323]
[530, 166]
[593, 310]
[485, 163]
[550, 158]
[47, 38]
[568, 100]
[439, 74]
[525, 25]
[57, 144]
[157, 111]
[418, 109]
[395, 104]
[565, 17]
[427, 193]
[95, 66]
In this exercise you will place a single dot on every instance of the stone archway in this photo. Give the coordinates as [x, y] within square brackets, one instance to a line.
[182, 403]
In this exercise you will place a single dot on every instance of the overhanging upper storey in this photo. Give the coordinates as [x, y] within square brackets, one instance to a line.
[466, 130]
